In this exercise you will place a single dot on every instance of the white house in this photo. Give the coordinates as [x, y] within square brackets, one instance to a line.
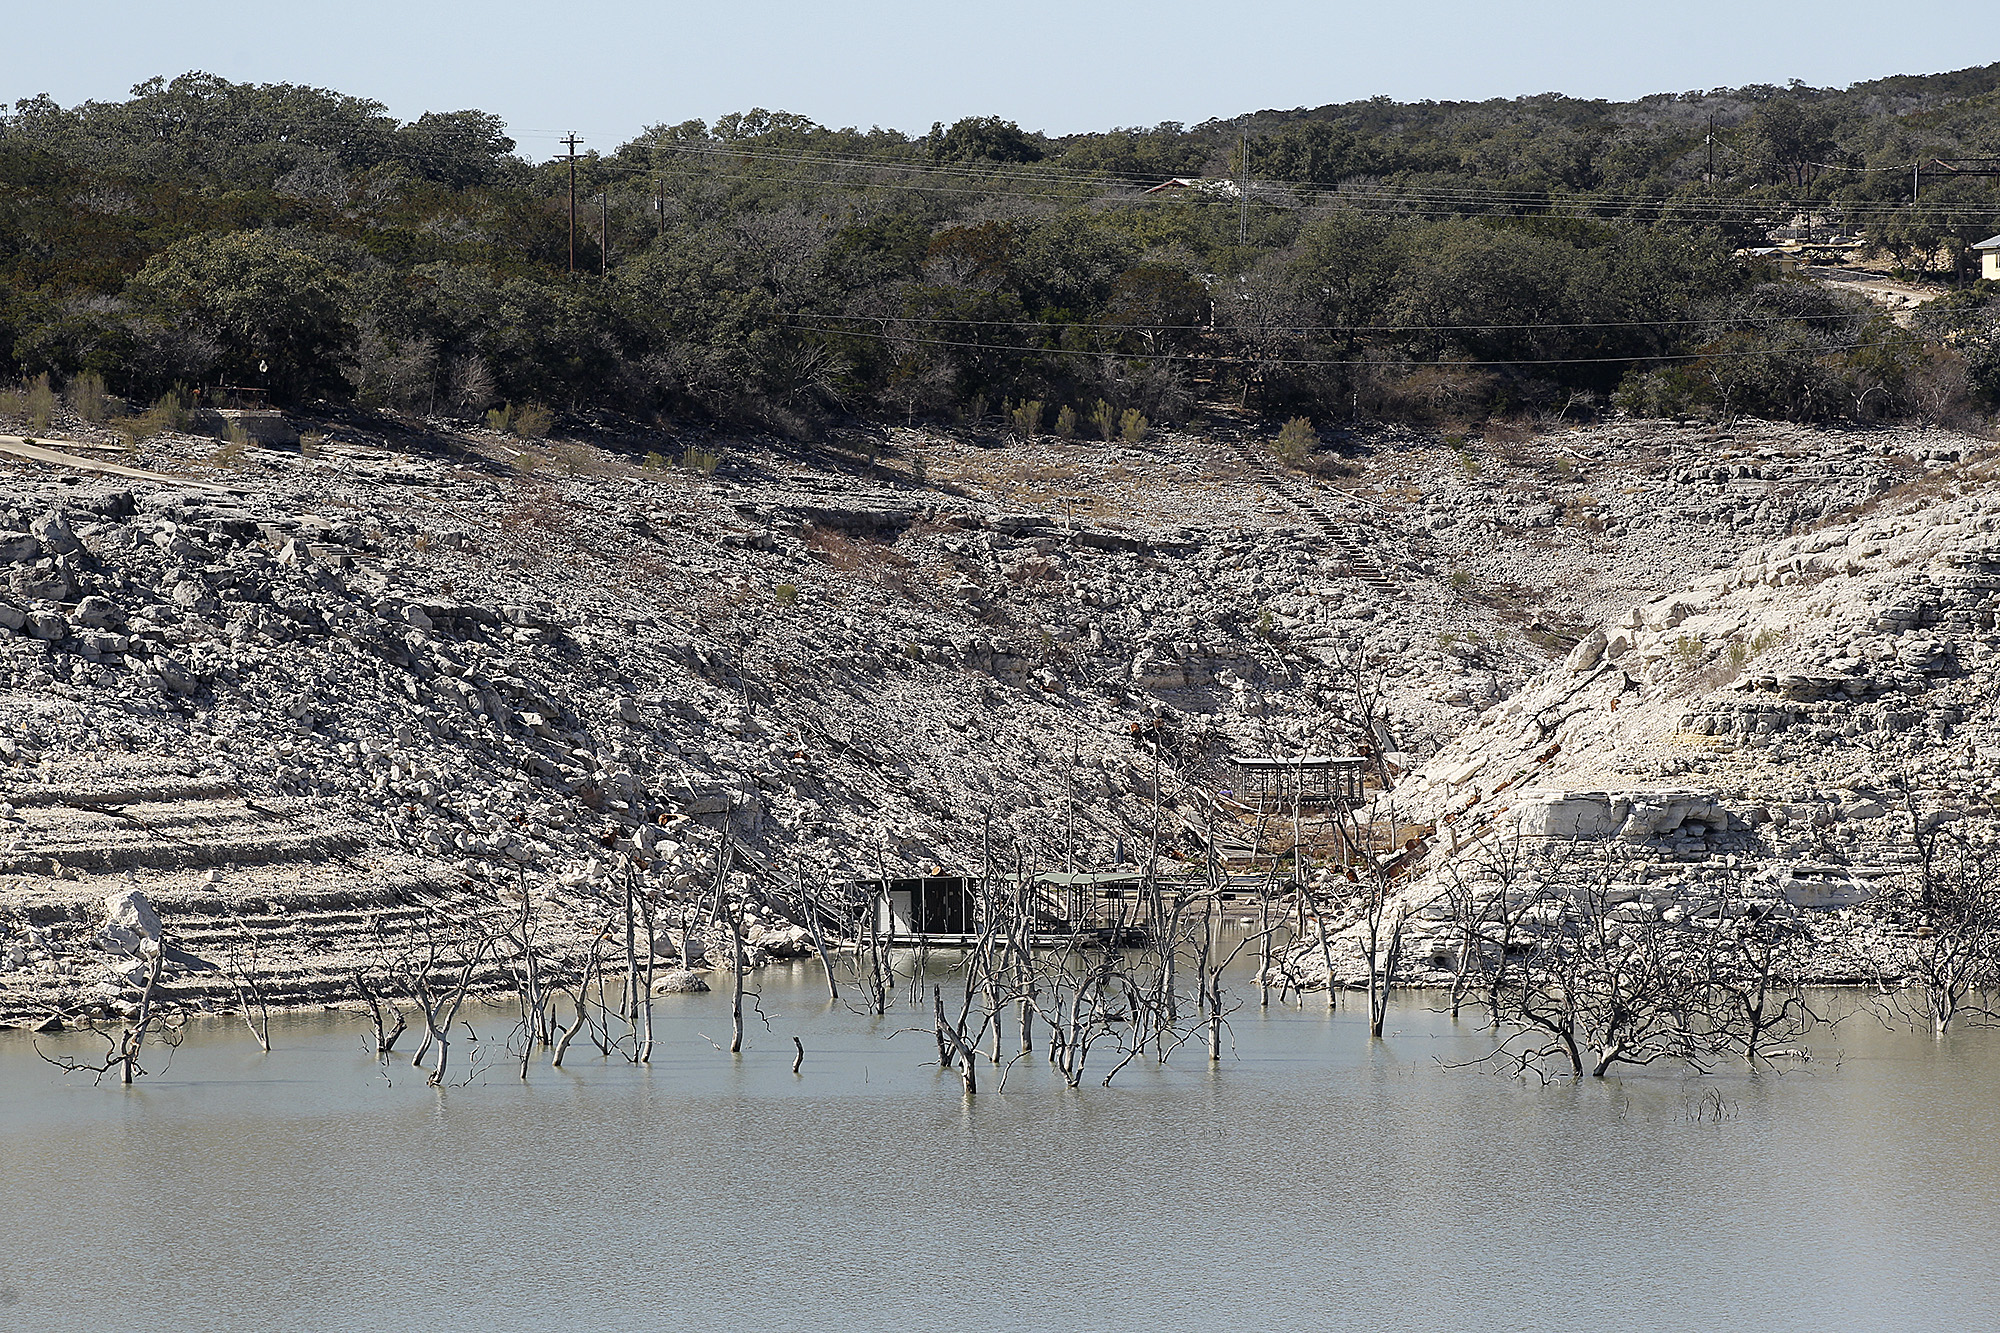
[1989, 258]
[1222, 187]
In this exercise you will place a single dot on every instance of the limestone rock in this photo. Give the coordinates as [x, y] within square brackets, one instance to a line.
[52, 530]
[97, 613]
[132, 910]
[1588, 652]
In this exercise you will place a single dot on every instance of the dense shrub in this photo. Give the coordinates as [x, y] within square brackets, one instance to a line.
[1445, 262]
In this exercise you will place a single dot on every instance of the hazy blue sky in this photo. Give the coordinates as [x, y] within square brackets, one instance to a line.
[609, 68]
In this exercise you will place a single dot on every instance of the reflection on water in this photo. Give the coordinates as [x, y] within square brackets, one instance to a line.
[1312, 1181]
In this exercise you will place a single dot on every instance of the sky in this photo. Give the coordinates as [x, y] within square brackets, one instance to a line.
[608, 69]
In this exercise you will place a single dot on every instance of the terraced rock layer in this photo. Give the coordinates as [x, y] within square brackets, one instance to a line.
[319, 695]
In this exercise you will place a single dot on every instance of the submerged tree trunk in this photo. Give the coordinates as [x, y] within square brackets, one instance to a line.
[569, 1033]
[809, 904]
[736, 979]
[1382, 962]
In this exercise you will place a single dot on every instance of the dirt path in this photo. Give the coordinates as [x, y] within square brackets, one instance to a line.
[18, 446]
[1899, 298]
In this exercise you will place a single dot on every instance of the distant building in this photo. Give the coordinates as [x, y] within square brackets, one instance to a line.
[1989, 258]
[1786, 257]
[1227, 189]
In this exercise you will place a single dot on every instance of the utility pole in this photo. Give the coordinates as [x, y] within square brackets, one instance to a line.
[604, 229]
[572, 142]
[1711, 148]
[1243, 189]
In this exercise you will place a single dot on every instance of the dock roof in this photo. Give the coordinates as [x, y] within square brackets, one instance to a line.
[1301, 761]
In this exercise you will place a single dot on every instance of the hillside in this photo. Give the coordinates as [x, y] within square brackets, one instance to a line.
[1534, 259]
[300, 697]
[1778, 731]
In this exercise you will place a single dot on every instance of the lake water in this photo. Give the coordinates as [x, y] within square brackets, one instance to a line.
[1314, 1180]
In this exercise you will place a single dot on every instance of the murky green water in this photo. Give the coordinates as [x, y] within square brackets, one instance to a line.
[1314, 1181]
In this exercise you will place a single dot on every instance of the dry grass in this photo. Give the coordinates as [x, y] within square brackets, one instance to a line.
[1331, 467]
[1584, 513]
[1046, 472]
[1709, 678]
[867, 558]
[1085, 479]
[537, 508]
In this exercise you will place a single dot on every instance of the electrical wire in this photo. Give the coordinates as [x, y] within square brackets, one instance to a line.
[1718, 321]
[1662, 357]
[1441, 200]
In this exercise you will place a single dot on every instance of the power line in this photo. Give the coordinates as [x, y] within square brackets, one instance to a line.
[1659, 357]
[1042, 171]
[1717, 321]
[1443, 205]
[1058, 183]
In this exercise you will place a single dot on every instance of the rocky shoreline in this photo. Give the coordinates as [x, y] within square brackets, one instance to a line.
[324, 693]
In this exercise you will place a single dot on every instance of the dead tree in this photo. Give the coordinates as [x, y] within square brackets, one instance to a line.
[1749, 950]
[243, 979]
[1489, 894]
[1209, 960]
[522, 959]
[124, 1050]
[1264, 936]
[1380, 910]
[1953, 905]
[1604, 981]
[810, 908]
[568, 1034]
[385, 1036]
[593, 970]
[1357, 679]
[647, 970]
[989, 971]
[876, 943]
[1092, 996]
[955, 1047]
[439, 965]
[1638, 996]
[528, 961]
[1319, 893]
[734, 918]
[628, 1006]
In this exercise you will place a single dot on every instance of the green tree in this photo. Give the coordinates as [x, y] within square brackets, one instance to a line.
[1154, 308]
[1345, 269]
[984, 139]
[1794, 135]
[1313, 152]
[456, 149]
[263, 302]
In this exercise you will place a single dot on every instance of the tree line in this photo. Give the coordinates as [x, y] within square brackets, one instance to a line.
[1369, 260]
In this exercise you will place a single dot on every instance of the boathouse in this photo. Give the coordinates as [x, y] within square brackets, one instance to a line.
[943, 909]
[926, 905]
